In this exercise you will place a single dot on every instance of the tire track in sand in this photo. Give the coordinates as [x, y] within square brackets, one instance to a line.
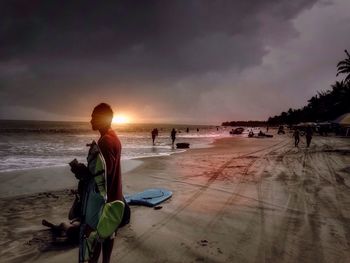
[238, 189]
[263, 251]
[293, 231]
[145, 235]
[247, 233]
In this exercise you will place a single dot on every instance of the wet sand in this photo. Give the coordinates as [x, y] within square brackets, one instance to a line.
[243, 200]
[31, 181]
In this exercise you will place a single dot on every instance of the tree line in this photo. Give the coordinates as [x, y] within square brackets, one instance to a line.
[244, 123]
[325, 105]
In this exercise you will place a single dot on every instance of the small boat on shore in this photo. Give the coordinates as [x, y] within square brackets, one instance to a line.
[262, 134]
[238, 130]
[182, 145]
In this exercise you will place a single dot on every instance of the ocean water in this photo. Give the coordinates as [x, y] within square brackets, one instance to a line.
[36, 144]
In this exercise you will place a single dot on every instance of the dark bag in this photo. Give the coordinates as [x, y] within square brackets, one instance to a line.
[75, 210]
[126, 215]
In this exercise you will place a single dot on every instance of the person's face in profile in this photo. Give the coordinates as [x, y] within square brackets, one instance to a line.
[99, 121]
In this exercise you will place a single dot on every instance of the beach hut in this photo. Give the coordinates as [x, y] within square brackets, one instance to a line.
[344, 122]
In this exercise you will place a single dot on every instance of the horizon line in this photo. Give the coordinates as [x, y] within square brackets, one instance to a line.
[113, 124]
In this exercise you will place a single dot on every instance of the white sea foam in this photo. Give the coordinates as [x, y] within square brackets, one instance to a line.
[28, 145]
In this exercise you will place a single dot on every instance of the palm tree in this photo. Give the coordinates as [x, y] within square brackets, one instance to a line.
[344, 67]
[338, 87]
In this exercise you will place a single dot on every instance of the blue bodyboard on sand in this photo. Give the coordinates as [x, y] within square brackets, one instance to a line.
[149, 197]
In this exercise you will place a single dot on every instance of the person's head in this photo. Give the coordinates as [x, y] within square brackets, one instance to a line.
[101, 117]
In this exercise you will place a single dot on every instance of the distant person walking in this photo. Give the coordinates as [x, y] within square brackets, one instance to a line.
[173, 136]
[154, 134]
[296, 136]
[308, 136]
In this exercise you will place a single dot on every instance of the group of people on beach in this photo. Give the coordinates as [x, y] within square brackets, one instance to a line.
[308, 136]
[154, 134]
[109, 149]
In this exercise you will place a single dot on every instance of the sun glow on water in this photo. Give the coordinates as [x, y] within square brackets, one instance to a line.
[120, 119]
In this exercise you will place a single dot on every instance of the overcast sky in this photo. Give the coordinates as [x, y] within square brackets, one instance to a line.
[168, 61]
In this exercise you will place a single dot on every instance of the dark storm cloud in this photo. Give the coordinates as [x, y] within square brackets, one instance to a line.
[167, 35]
[70, 52]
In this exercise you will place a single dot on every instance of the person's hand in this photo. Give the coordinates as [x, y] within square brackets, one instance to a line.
[80, 170]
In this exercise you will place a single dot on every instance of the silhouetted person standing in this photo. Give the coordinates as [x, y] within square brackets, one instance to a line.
[173, 136]
[296, 136]
[110, 148]
[154, 134]
[308, 136]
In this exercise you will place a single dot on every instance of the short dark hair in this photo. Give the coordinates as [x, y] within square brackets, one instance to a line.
[103, 109]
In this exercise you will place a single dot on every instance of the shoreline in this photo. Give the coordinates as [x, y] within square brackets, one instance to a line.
[45, 179]
[29, 181]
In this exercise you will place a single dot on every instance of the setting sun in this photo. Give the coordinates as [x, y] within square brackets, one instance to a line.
[120, 119]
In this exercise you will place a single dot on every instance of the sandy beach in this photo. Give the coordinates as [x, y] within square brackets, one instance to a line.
[242, 200]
